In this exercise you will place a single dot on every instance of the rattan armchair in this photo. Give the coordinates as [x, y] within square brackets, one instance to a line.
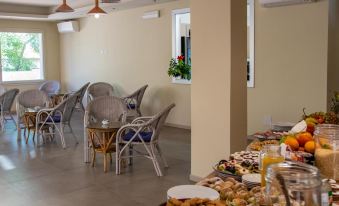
[142, 131]
[133, 102]
[99, 89]
[57, 118]
[29, 99]
[6, 102]
[51, 87]
[102, 108]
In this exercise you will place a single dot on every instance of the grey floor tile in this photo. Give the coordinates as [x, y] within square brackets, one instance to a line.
[50, 175]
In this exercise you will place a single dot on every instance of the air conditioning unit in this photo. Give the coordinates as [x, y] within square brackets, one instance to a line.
[68, 27]
[275, 3]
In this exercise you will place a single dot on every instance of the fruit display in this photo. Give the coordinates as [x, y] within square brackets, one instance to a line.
[319, 118]
[234, 193]
[258, 145]
[302, 141]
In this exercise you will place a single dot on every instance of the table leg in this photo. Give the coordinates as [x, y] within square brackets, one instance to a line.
[18, 127]
[105, 154]
[86, 146]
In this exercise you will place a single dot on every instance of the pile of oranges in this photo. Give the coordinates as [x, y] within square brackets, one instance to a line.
[300, 142]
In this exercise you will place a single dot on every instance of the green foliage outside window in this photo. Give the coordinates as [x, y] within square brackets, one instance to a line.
[13, 47]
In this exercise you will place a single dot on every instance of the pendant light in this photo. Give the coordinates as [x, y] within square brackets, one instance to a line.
[64, 7]
[97, 11]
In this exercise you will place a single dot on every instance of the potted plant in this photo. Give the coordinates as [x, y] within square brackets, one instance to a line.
[178, 68]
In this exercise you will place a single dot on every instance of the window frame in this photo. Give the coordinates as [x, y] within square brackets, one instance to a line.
[174, 42]
[251, 58]
[42, 58]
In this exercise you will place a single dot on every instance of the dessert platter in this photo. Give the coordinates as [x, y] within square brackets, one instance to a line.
[239, 164]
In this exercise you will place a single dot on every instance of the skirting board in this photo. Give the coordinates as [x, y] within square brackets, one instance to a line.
[195, 178]
[178, 126]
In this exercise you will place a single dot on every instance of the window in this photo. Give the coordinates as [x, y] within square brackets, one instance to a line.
[21, 56]
[181, 38]
[250, 43]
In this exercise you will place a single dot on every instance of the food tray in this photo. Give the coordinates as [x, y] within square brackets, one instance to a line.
[225, 175]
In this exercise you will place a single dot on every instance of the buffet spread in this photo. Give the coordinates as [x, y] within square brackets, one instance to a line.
[296, 165]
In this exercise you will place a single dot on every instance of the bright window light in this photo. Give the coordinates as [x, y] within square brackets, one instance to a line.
[21, 56]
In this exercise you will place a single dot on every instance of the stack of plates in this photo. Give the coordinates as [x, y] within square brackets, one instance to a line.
[251, 180]
[183, 192]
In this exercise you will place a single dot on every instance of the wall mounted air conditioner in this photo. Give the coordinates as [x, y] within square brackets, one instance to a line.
[68, 27]
[275, 3]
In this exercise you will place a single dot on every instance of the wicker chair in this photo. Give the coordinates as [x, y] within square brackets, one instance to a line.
[81, 93]
[29, 99]
[57, 118]
[142, 131]
[133, 102]
[6, 102]
[50, 87]
[99, 89]
[110, 108]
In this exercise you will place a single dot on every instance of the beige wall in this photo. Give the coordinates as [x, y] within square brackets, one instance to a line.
[128, 52]
[290, 63]
[333, 50]
[50, 44]
[219, 82]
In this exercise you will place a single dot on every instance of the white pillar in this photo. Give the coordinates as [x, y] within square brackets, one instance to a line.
[219, 91]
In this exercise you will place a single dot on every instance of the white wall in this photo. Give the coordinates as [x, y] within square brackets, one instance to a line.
[290, 63]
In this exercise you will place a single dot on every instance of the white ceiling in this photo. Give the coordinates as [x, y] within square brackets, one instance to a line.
[44, 9]
[47, 2]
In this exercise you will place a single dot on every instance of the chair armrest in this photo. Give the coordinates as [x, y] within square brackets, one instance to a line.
[141, 120]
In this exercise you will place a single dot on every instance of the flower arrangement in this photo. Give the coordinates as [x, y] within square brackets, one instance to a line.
[179, 69]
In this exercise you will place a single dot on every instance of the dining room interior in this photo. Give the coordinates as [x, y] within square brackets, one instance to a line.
[122, 102]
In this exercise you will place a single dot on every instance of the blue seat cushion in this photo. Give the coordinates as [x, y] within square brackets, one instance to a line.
[146, 136]
[56, 118]
[131, 106]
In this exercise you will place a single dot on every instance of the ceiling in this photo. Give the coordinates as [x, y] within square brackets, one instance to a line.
[45, 9]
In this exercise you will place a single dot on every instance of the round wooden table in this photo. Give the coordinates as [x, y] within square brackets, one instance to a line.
[29, 120]
[102, 139]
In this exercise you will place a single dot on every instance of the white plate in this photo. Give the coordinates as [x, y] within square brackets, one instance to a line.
[252, 178]
[192, 191]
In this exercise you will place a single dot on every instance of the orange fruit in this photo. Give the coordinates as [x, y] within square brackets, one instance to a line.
[303, 138]
[310, 146]
[292, 142]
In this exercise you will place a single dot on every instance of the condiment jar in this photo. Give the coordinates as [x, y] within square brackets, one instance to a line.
[293, 183]
[268, 155]
[327, 150]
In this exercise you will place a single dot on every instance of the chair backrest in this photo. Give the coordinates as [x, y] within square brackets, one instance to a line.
[67, 106]
[50, 87]
[99, 89]
[81, 92]
[107, 107]
[33, 98]
[158, 121]
[138, 95]
[8, 98]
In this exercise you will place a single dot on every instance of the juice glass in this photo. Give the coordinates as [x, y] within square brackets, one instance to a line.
[270, 154]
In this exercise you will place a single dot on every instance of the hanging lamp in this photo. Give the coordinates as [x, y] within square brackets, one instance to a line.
[97, 11]
[64, 7]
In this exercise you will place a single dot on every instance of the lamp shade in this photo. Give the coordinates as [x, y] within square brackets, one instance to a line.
[97, 10]
[64, 7]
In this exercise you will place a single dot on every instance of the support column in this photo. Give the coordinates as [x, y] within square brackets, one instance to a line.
[218, 90]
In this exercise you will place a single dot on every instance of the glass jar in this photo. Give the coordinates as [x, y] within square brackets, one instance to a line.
[327, 150]
[293, 183]
[268, 155]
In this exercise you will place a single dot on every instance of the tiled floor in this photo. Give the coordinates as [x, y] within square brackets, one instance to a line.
[51, 176]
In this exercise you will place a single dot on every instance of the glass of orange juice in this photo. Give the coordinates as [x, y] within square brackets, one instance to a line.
[270, 154]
